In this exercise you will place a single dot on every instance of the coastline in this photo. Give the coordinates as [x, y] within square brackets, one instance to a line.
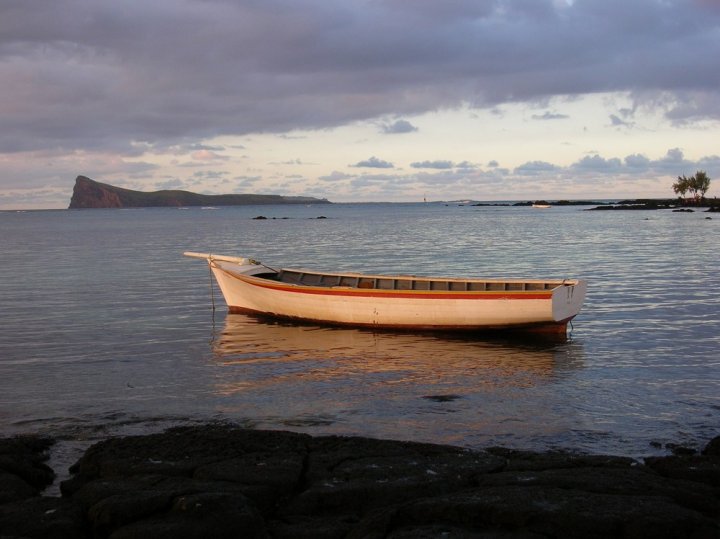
[222, 480]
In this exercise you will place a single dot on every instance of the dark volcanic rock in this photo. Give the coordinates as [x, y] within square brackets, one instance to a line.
[42, 517]
[23, 472]
[687, 465]
[713, 447]
[202, 514]
[222, 481]
[528, 511]
[215, 480]
[347, 479]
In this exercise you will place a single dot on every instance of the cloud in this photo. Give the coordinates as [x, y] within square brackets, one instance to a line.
[709, 163]
[433, 164]
[373, 162]
[670, 165]
[597, 163]
[616, 121]
[102, 75]
[210, 174]
[207, 155]
[637, 162]
[550, 116]
[534, 168]
[170, 184]
[247, 181]
[295, 162]
[335, 176]
[466, 165]
[400, 126]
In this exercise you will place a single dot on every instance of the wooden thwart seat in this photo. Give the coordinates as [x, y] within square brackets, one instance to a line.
[408, 283]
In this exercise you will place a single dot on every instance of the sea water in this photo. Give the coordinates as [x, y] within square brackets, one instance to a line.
[106, 329]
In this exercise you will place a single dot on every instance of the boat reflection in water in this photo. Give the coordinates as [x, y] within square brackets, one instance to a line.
[352, 381]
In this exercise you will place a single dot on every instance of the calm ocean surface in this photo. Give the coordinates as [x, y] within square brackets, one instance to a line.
[105, 328]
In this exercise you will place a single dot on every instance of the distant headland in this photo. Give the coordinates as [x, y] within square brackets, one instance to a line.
[88, 193]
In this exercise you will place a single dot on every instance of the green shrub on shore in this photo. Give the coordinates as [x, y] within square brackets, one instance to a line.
[697, 185]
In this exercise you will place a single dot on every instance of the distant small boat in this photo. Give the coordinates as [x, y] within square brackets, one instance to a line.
[542, 206]
[396, 301]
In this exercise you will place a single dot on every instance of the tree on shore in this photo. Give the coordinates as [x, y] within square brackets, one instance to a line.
[701, 184]
[697, 185]
[681, 186]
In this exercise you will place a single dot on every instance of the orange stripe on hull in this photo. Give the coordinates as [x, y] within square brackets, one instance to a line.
[417, 294]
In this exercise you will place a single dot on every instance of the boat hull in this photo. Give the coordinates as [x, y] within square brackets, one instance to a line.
[528, 310]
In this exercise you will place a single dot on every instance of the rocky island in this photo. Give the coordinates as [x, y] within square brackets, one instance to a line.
[88, 193]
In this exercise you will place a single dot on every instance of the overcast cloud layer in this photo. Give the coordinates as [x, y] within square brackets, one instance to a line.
[120, 79]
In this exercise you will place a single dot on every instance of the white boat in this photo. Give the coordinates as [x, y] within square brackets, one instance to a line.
[396, 301]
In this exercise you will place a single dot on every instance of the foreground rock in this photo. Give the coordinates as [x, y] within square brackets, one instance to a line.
[220, 481]
[23, 475]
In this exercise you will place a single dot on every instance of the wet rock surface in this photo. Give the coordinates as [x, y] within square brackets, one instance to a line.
[222, 481]
[23, 476]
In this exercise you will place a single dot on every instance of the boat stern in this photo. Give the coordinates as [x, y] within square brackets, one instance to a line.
[568, 299]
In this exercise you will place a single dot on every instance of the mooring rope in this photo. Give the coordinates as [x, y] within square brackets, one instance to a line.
[212, 289]
[268, 267]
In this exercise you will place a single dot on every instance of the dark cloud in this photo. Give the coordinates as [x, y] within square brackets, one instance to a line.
[82, 74]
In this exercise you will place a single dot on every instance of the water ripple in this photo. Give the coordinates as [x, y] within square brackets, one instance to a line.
[105, 327]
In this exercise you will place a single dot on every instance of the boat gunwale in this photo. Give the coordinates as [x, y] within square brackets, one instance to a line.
[281, 286]
[424, 278]
[240, 262]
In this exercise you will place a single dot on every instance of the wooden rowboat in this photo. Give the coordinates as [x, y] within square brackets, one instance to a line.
[396, 301]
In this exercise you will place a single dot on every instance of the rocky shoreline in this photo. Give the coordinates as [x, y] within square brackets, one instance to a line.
[225, 481]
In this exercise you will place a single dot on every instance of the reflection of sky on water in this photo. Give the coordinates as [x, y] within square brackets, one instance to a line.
[104, 327]
[391, 384]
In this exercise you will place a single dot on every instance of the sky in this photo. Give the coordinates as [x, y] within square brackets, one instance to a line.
[359, 100]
